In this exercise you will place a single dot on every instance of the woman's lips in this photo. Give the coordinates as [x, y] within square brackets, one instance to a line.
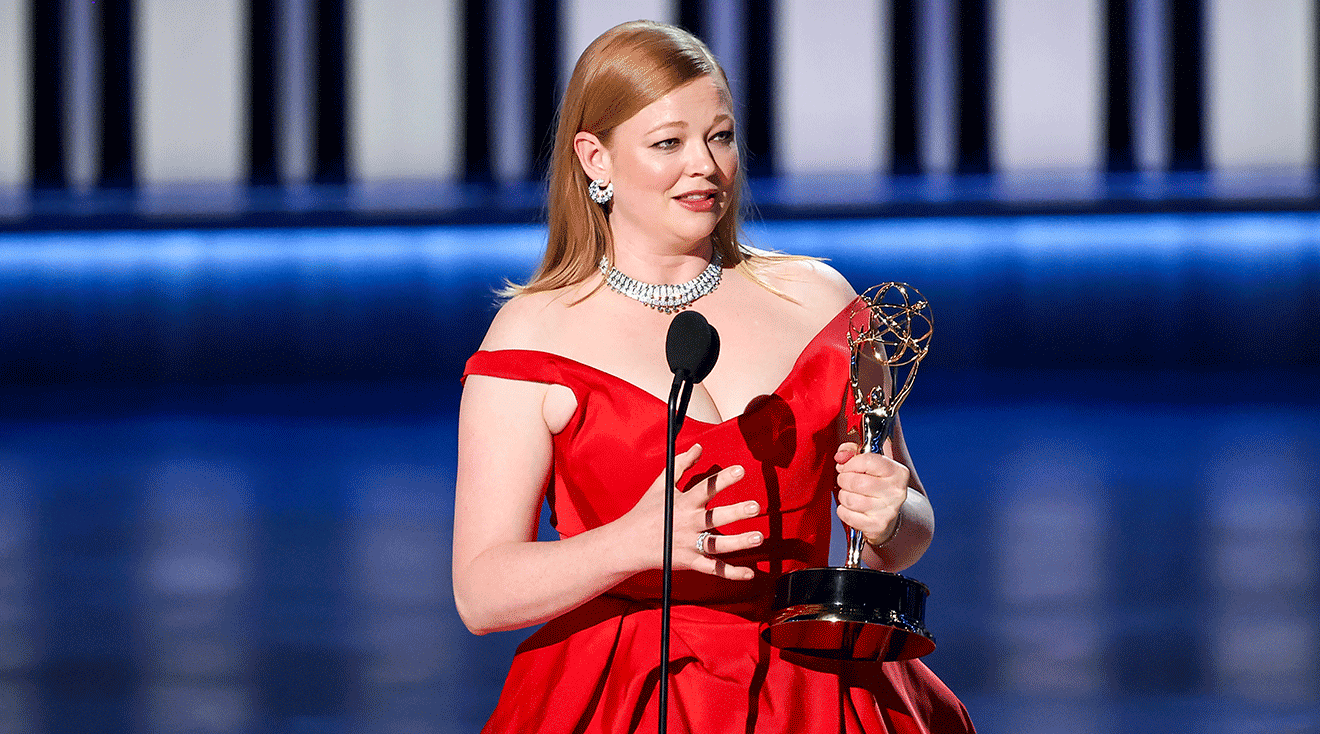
[698, 202]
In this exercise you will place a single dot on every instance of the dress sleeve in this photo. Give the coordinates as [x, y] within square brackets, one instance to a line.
[516, 364]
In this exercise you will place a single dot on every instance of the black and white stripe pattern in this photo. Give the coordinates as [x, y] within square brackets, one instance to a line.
[15, 97]
[1118, 124]
[191, 94]
[831, 106]
[973, 59]
[1047, 70]
[1259, 61]
[544, 35]
[1186, 61]
[477, 37]
[123, 93]
[49, 159]
[263, 68]
[119, 90]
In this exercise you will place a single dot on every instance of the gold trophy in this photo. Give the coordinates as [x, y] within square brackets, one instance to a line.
[856, 613]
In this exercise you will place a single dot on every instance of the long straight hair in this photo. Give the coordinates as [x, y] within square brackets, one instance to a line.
[627, 68]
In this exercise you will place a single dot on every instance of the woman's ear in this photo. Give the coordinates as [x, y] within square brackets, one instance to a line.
[593, 156]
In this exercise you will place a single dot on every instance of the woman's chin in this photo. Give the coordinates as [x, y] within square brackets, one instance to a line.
[698, 226]
[695, 235]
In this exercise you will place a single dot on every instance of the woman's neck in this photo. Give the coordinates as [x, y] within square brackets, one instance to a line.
[659, 267]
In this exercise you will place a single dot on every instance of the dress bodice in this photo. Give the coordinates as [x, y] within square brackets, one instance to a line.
[613, 448]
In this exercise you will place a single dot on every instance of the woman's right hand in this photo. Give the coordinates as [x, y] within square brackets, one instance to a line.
[693, 514]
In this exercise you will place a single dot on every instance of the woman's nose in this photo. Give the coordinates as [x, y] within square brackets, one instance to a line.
[702, 162]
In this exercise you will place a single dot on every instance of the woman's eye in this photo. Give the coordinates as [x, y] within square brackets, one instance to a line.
[667, 144]
[724, 136]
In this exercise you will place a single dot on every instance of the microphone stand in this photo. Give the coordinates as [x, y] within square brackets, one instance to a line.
[679, 395]
[691, 348]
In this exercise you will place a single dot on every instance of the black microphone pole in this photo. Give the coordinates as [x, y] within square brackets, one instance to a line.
[675, 423]
[691, 347]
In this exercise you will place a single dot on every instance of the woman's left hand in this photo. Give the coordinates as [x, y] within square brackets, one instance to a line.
[872, 490]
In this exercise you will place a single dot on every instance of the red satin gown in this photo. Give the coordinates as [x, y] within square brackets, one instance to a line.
[595, 668]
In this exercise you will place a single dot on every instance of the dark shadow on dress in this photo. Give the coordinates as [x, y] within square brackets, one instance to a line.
[566, 625]
[649, 685]
[770, 431]
[590, 711]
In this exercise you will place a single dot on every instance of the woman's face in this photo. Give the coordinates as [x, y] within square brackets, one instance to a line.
[673, 165]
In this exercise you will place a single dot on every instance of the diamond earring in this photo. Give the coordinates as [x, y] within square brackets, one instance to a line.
[598, 194]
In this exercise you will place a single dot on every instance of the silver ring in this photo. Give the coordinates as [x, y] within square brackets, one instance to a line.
[701, 541]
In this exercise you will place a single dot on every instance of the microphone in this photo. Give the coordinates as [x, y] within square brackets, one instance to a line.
[691, 348]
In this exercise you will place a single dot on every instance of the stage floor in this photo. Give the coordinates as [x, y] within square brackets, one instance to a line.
[1098, 567]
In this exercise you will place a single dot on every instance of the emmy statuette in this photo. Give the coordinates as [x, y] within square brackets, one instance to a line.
[852, 612]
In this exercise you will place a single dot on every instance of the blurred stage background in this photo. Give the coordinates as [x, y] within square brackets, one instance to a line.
[246, 247]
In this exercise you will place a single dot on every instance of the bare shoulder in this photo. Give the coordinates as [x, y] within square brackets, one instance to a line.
[527, 321]
[524, 320]
[813, 283]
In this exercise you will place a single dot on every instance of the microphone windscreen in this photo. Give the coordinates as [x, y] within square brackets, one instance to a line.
[712, 354]
[692, 345]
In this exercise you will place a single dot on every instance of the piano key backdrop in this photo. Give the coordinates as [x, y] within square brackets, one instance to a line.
[116, 92]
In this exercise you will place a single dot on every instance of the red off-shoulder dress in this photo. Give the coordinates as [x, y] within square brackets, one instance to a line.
[595, 668]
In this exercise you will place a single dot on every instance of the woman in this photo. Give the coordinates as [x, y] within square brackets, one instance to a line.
[566, 400]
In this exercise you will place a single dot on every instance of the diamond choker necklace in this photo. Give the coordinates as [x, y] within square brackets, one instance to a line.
[663, 298]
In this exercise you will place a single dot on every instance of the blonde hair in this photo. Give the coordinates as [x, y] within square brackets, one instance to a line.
[627, 68]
